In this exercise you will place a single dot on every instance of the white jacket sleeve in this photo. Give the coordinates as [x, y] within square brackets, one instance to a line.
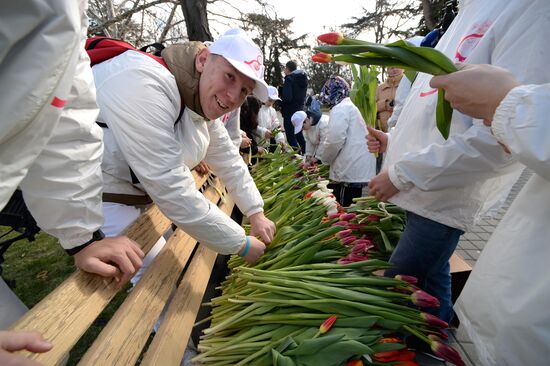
[462, 159]
[336, 134]
[141, 117]
[322, 131]
[521, 123]
[63, 187]
[227, 164]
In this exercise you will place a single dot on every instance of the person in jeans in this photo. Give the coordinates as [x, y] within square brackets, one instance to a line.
[447, 186]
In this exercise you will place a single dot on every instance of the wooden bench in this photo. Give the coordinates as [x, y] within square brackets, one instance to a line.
[66, 313]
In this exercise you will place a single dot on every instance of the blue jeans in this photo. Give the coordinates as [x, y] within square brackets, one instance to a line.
[423, 251]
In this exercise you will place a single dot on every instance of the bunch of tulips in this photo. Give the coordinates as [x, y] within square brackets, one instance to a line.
[310, 300]
[401, 54]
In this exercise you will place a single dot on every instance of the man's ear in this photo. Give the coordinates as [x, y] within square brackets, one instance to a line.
[201, 58]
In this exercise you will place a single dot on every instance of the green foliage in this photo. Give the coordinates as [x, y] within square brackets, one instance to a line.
[363, 92]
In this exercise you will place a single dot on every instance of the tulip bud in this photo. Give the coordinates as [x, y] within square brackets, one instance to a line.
[354, 363]
[340, 223]
[344, 233]
[409, 279]
[334, 38]
[447, 353]
[433, 320]
[327, 324]
[373, 218]
[334, 216]
[348, 240]
[424, 300]
[347, 216]
[323, 58]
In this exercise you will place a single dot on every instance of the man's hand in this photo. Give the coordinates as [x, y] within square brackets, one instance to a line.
[245, 142]
[377, 141]
[202, 168]
[262, 226]
[11, 341]
[476, 90]
[255, 251]
[268, 135]
[118, 257]
[381, 187]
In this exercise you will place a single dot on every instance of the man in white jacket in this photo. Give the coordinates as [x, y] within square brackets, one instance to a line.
[447, 185]
[140, 101]
[50, 146]
[503, 306]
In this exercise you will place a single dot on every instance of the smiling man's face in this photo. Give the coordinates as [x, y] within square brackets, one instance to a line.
[222, 88]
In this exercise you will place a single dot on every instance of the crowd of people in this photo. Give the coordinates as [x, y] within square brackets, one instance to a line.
[91, 147]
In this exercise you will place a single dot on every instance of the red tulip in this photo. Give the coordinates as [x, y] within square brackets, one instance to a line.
[354, 363]
[409, 279]
[347, 216]
[321, 57]
[447, 353]
[335, 38]
[434, 320]
[348, 240]
[424, 300]
[327, 324]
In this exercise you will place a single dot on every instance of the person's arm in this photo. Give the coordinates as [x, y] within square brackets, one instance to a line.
[287, 94]
[229, 166]
[336, 134]
[322, 133]
[521, 124]
[140, 113]
[470, 157]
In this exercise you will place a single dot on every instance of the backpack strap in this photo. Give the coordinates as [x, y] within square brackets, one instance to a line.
[101, 49]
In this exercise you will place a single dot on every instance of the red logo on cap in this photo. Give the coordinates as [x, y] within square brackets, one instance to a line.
[255, 64]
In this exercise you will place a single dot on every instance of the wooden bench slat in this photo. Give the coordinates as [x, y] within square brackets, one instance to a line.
[170, 342]
[66, 313]
[122, 339]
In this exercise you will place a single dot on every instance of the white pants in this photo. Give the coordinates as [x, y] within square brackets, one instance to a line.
[117, 218]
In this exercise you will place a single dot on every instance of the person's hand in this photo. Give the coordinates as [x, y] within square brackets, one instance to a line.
[377, 141]
[476, 90]
[255, 251]
[118, 257]
[202, 168]
[11, 341]
[245, 142]
[381, 187]
[261, 150]
[268, 135]
[262, 226]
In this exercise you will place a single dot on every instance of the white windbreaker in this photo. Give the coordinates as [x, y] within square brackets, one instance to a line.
[267, 121]
[504, 305]
[344, 148]
[455, 182]
[52, 153]
[315, 137]
[140, 102]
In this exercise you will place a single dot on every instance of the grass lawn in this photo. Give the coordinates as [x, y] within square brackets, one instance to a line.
[38, 268]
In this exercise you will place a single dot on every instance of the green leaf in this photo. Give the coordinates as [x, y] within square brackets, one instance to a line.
[335, 353]
[280, 360]
[428, 53]
[313, 346]
[443, 114]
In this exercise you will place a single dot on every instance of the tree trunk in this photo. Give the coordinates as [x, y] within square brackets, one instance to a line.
[428, 14]
[196, 20]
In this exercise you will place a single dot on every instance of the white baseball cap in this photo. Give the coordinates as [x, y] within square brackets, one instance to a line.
[297, 120]
[273, 93]
[243, 54]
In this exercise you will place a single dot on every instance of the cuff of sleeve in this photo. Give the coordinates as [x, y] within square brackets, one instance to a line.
[398, 179]
[505, 113]
[96, 236]
[253, 211]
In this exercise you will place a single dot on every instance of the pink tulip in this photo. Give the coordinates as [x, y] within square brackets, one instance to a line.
[447, 353]
[347, 216]
[434, 320]
[344, 233]
[409, 279]
[424, 300]
[348, 240]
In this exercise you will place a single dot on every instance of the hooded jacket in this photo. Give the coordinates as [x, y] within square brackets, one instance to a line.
[294, 93]
[458, 181]
[344, 147]
[139, 100]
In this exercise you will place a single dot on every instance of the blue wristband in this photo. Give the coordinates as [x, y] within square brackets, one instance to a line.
[246, 247]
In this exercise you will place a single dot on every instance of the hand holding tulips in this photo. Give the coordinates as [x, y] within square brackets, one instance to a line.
[382, 187]
[476, 90]
[255, 251]
[262, 226]
[377, 141]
